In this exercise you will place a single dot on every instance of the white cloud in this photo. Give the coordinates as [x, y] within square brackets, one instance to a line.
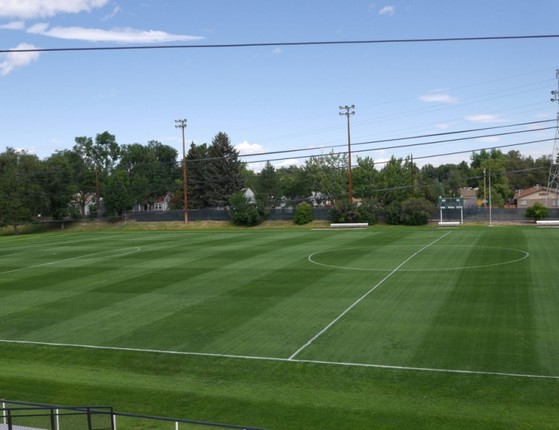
[15, 25]
[438, 97]
[26, 9]
[246, 148]
[15, 60]
[277, 51]
[387, 10]
[485, 118]
[118, 35]
[111, 15]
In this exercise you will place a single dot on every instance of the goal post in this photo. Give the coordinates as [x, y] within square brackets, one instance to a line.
[448, 204]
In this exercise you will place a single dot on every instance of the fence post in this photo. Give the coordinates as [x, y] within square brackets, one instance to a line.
[57, 419]
[4, 412]
[52, 419]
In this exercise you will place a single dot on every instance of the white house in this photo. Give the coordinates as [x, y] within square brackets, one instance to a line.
[537, 194]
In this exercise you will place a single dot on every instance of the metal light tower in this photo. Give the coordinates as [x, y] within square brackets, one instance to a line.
[348, 111]
[553, 180]
[181, 123]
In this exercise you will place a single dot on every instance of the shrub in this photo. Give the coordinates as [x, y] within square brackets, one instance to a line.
[244, 212]
[537, 211]
[392, 213]
[416, 211]
[303, 214]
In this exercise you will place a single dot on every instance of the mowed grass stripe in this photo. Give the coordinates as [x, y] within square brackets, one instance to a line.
[287, 394]
[122, 296]
[486, 322]
[384, 327]
[254, 306]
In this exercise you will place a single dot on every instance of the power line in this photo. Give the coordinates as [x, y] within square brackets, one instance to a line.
[276, 44]
[420, 136]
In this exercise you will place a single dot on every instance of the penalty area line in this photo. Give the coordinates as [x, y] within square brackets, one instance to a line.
[282, 360]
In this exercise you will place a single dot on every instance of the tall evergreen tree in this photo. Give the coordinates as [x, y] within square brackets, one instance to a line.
[225, 171]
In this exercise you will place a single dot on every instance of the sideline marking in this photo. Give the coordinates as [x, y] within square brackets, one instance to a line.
[355, 303]
[283, 360]
[50, 263]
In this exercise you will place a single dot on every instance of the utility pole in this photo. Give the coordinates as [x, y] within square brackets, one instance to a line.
[348, 111]
[181, 123]
[553, 179]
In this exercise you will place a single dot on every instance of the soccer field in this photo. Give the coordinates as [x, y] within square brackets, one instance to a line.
[288, 329]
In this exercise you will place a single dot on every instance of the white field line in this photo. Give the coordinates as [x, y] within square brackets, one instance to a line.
[360, 299]
[281, 360]
[50, 263]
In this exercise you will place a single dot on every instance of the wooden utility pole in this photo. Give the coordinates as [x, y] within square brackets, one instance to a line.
[181, 123]
[348, 111]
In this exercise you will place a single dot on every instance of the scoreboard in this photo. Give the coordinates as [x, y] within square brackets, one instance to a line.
[451, 202]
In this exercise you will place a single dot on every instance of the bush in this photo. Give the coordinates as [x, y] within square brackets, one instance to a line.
[344, 212]
[392, 213]
[416, 211]
[303, 214]
[537, 211]
[244, 212]
[366, 211]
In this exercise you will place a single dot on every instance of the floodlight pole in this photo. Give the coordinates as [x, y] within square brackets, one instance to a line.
[181, 123]
[348, 111]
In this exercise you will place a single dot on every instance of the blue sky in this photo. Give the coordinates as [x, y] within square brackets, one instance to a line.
[278, 98]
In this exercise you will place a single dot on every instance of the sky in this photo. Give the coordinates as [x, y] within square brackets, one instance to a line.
[282, 97]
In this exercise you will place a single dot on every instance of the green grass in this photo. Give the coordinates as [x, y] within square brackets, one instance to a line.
[288, 329]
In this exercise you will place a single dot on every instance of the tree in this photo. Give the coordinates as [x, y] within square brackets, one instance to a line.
[225, 169]
[21, 194]
[395, 180]
[99, 156]
[327, 175]
[60, 184]
[268, 186]
[365, 178]
[152, 170]
[293, 184]
[118, 197]
[537, 211]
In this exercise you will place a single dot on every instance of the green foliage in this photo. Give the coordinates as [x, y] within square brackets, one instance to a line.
[366, 211]
[215, 173]
[392, 213]
[303, 213]
[537, 211]
[416, 211]
[327, 175]
[268, 186]
[395, 180]
[244, 212]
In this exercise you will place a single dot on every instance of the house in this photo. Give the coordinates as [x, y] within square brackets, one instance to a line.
[536, 194]
[470, 196]
[249, 195]
[161, 203]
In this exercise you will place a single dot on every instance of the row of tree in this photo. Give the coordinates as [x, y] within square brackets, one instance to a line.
[118, 177]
